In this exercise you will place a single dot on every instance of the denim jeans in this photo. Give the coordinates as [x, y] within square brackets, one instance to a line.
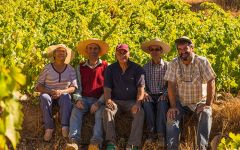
[77, 118]
[203, 127]
[65, 109]
[155, 114]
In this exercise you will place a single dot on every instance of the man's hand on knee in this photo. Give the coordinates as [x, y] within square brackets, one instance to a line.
[79, 104]
[201, 107]
[147, 97]
[109, 104]
[172, 112]
[94, 107]
[136, 107]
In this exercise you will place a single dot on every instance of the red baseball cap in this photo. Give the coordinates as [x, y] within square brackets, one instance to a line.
[122, 47]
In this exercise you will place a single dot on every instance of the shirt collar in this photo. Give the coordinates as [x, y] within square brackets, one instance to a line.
[129, 64]
[193, 58]
[161, 62]
[87, 64]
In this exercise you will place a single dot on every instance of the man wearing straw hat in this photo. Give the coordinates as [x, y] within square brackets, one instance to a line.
[124, 91]
[191, 88]
[55, 83]
[89, 95]
[155, 102]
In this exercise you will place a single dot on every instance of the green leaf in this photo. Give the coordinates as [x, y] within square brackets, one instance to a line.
[3, 87]
[20, 78]
[12, 122]
[3, 143]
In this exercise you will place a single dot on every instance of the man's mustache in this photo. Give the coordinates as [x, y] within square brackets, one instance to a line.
[184, 57]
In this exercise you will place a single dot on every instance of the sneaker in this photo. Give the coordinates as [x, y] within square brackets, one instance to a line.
[72, 145]
[65, 131]
[131, 147]
[111, 146]
[48, 135]
[93, 147]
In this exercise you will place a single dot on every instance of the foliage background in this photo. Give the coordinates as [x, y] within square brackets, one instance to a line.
[231, 142]
[10, 110]
[28, 27]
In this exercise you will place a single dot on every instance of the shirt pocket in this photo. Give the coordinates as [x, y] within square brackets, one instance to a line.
[130, 80]
[179, 77]
[197, 79]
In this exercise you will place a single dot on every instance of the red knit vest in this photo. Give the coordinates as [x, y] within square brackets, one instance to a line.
[92, 80]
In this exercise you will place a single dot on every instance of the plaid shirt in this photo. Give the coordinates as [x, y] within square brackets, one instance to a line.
[190, 79]
[155, 84]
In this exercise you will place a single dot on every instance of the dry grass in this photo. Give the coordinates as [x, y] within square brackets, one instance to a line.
[196, 1]
[232, 5]
[226, 118]
[229, 4]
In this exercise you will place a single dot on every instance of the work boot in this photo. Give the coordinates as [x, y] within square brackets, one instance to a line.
[48, 135]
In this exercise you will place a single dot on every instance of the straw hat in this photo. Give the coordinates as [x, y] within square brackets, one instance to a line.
[83, 44]
[145, 46]
[52, 48]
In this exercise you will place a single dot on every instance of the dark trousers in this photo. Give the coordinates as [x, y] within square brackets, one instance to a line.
[155, 114]
[135, 137]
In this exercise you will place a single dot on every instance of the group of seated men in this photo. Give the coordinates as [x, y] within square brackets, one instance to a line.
[159, 92]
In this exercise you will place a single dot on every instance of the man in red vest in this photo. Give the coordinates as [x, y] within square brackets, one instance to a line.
[89, 95]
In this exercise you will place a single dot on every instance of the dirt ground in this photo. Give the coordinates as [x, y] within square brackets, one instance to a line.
[230, 5]
[226, 118]
[33, 130]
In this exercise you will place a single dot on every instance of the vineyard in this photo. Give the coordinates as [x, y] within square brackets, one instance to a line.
[28, 27]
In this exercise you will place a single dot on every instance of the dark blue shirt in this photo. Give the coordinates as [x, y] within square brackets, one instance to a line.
[124, 85]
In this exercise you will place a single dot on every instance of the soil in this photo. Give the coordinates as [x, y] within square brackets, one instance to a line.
[225, 119]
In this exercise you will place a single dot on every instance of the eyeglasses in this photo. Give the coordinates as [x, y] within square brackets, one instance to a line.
[122, 52]
[93, 48]
[155, 49]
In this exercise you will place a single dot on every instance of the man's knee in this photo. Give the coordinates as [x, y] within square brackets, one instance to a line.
[99, 113]
[139, 114]
[147, 106]
[66, 97]
[207, 111]
[76, 115]
[206, 114]
[65, 100]
[45, 99]
[45, 96]
[172, 124]
[162, 107]
[163, 104]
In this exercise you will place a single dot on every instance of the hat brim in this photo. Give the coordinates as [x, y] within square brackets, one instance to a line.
[51, 49]
[83, 44]
[145, 46]
[183, 39]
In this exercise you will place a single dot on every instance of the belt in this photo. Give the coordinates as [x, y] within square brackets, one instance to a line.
[158, 94]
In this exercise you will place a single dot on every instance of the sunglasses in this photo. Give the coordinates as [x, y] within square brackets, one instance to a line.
[122, 52]
[155, 49]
